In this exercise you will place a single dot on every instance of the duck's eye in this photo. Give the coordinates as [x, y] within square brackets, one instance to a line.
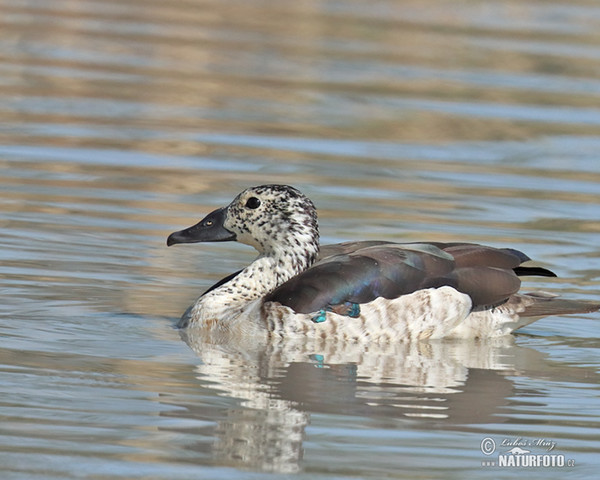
[253, 203]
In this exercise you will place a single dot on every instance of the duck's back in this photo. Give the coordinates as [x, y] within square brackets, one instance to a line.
[360, 272]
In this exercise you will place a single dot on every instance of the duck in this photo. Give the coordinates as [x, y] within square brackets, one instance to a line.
[357, 291]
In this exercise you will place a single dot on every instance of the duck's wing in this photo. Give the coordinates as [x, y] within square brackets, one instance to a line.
[362, 271]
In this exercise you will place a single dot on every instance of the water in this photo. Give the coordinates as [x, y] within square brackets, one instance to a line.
[124, 121]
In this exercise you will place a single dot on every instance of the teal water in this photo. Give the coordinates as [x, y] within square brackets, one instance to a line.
[125, 121]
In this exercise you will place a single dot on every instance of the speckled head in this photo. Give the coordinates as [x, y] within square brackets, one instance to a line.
[271, 218]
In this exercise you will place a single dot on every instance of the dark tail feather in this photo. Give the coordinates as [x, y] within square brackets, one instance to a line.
[534, 271]
[541, 304]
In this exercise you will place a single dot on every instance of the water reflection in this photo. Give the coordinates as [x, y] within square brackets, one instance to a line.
[280, 384]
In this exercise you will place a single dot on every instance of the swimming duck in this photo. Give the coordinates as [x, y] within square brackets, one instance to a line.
[357, 291]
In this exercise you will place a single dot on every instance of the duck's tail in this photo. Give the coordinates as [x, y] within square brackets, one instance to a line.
[541, 304]
[533, 305]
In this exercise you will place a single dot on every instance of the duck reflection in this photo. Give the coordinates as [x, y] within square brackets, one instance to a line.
[279, 384]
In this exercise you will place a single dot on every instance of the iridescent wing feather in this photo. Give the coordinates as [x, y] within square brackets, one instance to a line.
[359, 272]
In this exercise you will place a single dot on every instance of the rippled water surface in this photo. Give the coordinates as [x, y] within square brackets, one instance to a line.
[123, 121]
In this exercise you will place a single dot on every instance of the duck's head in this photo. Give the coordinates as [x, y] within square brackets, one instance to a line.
[271, 218]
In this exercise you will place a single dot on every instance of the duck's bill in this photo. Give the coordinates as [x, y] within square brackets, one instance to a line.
[209, 229]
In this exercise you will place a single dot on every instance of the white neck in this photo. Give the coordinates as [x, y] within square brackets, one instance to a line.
[255, 281]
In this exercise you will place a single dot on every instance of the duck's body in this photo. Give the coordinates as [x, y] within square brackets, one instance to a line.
[357, 291]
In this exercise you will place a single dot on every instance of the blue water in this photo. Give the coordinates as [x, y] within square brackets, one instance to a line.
[125, 121]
